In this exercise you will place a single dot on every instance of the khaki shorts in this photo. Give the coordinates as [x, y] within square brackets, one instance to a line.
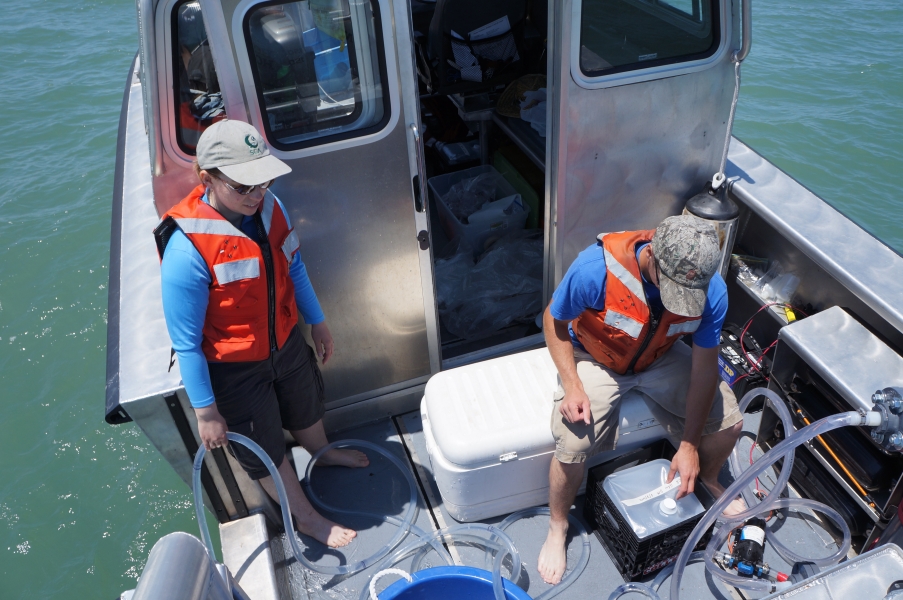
[664, 388]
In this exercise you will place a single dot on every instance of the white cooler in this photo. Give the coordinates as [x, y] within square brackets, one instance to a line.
[487, 433]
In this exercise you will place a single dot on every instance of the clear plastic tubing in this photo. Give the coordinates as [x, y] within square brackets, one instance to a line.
[664, 573]
[784, 477]
[792, 557]
[782, 450]
[408, 518]
[786, 421]
[639, 588]
[651, 590]
[584, 554]
[722, 534]
[283, 504]
[469, 532]
[471, 540]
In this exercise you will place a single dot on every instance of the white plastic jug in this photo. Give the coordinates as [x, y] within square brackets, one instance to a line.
[646, 501]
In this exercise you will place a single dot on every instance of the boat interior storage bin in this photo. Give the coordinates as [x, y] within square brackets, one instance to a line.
[631, 520]
[487, 431]
[470, 206]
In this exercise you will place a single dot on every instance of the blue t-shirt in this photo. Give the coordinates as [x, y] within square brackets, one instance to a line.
[583, 287]
[186, 284]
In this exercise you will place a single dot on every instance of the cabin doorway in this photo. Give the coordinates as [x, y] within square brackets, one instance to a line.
[481, 71]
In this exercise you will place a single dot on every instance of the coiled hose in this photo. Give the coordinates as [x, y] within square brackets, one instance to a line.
[784, 450]
[466, 532]
[360, 565]
[741, 486]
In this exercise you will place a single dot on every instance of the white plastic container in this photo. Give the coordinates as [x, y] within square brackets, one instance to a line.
[479, 235]
[646, 501]
[487, 429]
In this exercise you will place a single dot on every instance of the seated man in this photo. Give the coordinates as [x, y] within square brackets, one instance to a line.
[612, 327]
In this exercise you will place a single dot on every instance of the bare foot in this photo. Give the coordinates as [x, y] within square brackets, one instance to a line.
[736, 507]
[553, 556]
[325, 531]
[343, 458]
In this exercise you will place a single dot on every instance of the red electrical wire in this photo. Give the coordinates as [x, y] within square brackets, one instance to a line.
[738, 379]
[752, 363]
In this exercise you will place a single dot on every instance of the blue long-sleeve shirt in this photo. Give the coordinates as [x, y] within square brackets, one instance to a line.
[186, 291]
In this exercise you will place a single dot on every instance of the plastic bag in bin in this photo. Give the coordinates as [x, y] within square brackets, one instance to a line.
[469, 195]
[503, 288]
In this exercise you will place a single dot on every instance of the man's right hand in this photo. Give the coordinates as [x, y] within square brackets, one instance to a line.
[211, 427]
[575, 407]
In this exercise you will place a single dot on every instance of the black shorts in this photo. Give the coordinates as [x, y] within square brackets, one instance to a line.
[259, 399]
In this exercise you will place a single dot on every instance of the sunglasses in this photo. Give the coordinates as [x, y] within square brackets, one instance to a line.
[244, 190]
[658, 271]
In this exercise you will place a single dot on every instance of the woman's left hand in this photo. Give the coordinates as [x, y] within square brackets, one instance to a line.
[323, 343]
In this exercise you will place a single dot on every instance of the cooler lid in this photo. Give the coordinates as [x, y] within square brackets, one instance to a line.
[482, 412]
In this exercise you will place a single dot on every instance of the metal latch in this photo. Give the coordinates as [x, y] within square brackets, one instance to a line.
[424, 238]
[646, 423]
[508, 456]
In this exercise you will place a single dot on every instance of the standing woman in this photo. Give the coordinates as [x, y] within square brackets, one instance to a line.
[233, 284]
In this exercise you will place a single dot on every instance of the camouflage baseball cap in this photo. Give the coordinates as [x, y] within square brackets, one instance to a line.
[687, 253]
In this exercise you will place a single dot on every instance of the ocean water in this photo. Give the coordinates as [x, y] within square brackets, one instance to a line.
[82, 502]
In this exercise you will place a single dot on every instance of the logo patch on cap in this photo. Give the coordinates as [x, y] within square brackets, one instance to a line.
[253, 145]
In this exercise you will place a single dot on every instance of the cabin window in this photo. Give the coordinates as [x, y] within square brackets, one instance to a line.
[318, 69]
[626, 35]
[198, 100]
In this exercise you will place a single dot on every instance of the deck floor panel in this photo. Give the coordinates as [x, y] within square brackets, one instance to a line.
[601, 576]
[378, 489]
[381, 489]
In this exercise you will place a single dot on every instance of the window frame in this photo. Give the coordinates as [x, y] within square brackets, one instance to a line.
[166, 82]
[653, 69]
[173, 67]
[385, 57]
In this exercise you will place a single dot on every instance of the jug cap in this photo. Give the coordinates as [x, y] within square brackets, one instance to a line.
[669, 506]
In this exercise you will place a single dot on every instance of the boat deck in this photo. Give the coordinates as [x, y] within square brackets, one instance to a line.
[381, 489]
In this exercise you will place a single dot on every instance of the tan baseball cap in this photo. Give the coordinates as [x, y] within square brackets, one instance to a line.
[239, 152]
[687, 251]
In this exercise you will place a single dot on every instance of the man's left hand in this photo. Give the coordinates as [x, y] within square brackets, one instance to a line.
[685, 462]
[323, 343]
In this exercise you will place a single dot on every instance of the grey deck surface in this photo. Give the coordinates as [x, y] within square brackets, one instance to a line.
[601, 576]
[382, 490]
[379, 489]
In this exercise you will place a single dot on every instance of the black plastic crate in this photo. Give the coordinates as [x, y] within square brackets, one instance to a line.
[636, 559]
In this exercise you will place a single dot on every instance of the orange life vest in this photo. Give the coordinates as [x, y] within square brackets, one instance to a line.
[252, 298]
[624, 336]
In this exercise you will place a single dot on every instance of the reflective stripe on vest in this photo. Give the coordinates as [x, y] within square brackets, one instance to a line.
[266, 212]
[626, 277]
[209, 227]
[620, 336]
[248, 268]
[291, 246]
[684, 328]
[628, 325]
[249, 309]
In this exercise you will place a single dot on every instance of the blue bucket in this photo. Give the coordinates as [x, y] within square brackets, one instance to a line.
[450, 583]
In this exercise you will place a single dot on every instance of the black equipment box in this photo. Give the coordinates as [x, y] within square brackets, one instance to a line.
[734, 366]
[635, 558]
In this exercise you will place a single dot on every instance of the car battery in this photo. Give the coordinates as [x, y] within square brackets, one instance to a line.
[735, 368]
